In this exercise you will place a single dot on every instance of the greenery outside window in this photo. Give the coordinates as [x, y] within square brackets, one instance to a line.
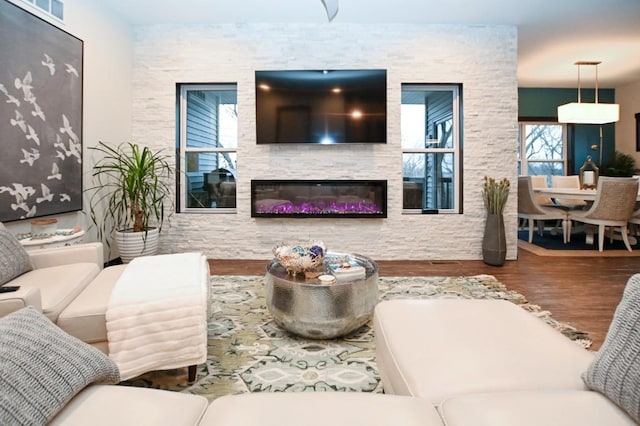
[431, 148]
[207, 142]
[542, 149]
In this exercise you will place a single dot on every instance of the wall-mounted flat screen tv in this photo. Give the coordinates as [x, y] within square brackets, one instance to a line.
[321, 107]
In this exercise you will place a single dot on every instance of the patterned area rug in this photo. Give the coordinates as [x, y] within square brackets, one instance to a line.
[248, 352]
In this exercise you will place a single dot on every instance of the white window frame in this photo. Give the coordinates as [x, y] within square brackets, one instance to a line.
[456, 149]
[183, 149]
[31, 4]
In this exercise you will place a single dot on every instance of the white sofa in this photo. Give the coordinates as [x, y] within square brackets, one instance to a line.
[487, 362]
[70, 286]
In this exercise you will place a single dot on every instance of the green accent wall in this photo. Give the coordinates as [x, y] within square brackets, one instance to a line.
[542, 104]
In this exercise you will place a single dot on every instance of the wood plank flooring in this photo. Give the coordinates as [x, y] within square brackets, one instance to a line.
[583, 291]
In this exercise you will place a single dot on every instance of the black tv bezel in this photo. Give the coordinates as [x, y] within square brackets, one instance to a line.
[315, 143]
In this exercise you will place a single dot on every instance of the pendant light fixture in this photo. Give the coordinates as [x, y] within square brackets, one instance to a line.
[586, 112]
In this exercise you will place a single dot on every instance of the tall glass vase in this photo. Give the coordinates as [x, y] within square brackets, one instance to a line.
[494, 243]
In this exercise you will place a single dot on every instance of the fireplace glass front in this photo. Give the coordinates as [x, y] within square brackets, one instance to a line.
[319, 198]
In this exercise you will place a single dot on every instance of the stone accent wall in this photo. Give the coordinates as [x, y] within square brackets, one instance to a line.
[481, 58]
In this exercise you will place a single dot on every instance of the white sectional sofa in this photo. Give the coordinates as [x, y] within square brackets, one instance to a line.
[489, 362]
[442, 362]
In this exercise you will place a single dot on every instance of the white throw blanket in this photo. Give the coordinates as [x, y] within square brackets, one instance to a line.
[157, 314]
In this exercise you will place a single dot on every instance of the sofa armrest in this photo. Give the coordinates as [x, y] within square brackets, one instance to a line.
[77, 253]
[16, 300]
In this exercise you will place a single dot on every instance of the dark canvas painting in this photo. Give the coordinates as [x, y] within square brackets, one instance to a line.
[40, 117]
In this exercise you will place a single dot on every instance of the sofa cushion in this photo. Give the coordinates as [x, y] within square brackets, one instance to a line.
[58, 285]
[615, 370]
[14, 259]
[436, 349]
[320, 409]
[84, 318]
[42, 368]
[533, 408]
[105, 405]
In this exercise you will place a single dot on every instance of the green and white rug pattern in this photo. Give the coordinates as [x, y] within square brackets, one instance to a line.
[248, 352]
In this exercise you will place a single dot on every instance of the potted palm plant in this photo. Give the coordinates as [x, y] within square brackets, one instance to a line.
[494, 246]
[127, 203]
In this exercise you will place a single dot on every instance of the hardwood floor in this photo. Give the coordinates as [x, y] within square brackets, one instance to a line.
[582, 291]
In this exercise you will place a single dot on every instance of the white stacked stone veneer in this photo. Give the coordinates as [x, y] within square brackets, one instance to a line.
[481, 58]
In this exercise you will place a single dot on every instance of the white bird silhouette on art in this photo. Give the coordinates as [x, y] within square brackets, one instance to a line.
[25, 85]
[71, 70]
[30, 157]
[30, 213]
[19, 190]
[10, 99]
[55, 172]
[37, 112]
[32, 135]
[46, 194]
[19, 121]
[19, 204]
[65, 197]
[48, 62]
[67, 128]
[60, 155]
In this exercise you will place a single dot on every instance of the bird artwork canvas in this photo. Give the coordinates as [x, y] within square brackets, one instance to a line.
[40, 116]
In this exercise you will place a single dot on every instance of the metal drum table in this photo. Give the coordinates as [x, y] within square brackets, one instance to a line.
[309, 309]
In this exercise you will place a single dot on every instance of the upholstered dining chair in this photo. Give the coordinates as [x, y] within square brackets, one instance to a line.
[537, 182]
[530, 210]
[571, 181]
[613, 207]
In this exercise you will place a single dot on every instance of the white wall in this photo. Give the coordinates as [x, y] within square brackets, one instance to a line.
[108, 64]
[482, 58]
[628, 97]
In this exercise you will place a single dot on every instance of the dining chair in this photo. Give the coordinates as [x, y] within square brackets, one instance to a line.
[613, 207]
[571, 181]
[539, 182]
[530, 210]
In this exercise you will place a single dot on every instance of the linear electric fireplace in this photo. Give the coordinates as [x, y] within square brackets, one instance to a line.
[319, 198]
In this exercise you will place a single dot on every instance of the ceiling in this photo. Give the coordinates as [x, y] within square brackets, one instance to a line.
[552, 34]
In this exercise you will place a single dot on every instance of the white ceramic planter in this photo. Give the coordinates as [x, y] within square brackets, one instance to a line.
[134, 244]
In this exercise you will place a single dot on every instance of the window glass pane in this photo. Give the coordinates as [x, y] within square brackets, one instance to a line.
[211, 179]
[57, 8]
[546, 168]
[43, 4]
[428, 181]
[543, 141]
[426, 118]
[212, 119]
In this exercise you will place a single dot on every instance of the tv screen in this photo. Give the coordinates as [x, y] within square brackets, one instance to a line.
[321, 107]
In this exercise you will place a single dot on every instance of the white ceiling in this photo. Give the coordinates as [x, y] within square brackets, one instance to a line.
[552, 34]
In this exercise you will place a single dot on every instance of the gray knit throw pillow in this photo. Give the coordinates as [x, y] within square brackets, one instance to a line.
[42, 368]
[14, 259]
[615, 370]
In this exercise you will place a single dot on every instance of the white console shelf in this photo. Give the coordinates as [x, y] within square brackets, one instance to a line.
[54, 241]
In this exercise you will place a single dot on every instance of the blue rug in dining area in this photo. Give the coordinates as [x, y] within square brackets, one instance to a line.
[553, 241]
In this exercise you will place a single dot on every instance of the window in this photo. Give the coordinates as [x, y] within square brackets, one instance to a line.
[542, 149]
[430, 128]
[208, 141]
[54, 8]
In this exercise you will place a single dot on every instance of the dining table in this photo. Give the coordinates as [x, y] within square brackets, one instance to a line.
[574, 193]
[588, 195]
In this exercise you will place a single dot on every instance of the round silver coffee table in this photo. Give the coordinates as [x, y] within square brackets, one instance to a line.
[321, 311]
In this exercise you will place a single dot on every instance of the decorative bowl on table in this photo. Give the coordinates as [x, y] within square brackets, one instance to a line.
[300, 257]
